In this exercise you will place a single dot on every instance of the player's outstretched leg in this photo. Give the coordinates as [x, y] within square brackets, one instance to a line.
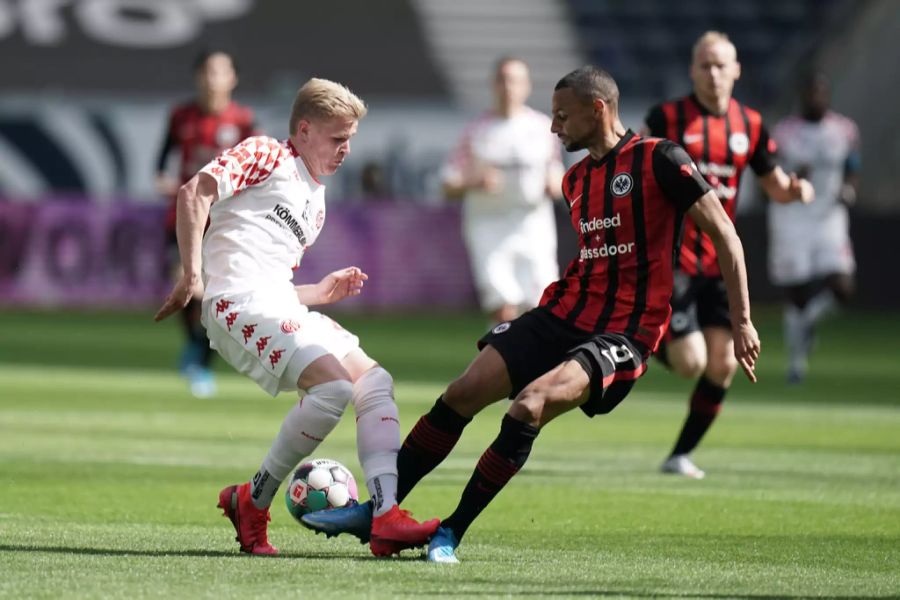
[503, 459]
[250, 523]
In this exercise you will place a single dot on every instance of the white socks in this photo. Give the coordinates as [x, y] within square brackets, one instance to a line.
[312, 419]
[303, 429]
[377, 436]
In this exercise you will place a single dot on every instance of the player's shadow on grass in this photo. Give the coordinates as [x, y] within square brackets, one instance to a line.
[194, 553]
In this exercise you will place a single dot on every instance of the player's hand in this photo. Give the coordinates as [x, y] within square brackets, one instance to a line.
[166, 186]
[178, 298]
[341, 284]
[746, 348]
[801, 189]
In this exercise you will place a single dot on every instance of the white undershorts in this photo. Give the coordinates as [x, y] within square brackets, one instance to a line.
[512, 260]
[272, 339]
[804, 250]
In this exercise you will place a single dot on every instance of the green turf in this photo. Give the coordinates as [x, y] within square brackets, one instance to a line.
[110, 470]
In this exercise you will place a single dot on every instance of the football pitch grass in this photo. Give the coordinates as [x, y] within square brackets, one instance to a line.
[110, 472]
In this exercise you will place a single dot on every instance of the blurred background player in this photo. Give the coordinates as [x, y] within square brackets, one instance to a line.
[266, 207]
[723, 137]
[810, 253]
[199, 130]
[507, 169]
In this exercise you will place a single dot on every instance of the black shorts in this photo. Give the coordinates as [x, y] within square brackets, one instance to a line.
[697, 302]
[538, 341]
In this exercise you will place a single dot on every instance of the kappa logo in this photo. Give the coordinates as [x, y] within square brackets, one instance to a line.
[290, 325]
[261, 344]
[621, 185]
[739, 143]
[222, 306]
[275, 356]
[247, 332]
[502, 327]
[230, 318]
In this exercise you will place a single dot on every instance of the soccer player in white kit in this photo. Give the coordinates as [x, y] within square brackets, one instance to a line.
[266, 206]
[507, 169]
[810, 253]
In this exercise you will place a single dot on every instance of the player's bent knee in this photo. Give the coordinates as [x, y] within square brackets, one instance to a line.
[332, 396]
[528, 407]
[373, 389]
[689, 365]
[721, 372]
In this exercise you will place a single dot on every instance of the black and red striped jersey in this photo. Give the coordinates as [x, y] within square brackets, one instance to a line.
[722, 146]
[627, 209]
[201, 136]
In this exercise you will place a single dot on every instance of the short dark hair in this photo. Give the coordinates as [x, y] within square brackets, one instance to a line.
[590, 83]
[204, 55]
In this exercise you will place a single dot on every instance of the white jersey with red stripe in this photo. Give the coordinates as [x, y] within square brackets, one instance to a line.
[269, 210]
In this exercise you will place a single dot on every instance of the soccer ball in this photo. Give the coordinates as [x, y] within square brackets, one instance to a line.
[320, 484]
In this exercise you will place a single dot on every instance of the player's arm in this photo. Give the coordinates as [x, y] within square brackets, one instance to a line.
[685, 187]
[711, 218]
[778, 185]
[333, 287]
[166, 185]
[194, 200]
[783, 187]
[852, 165]
[234, 170]
[462, 172]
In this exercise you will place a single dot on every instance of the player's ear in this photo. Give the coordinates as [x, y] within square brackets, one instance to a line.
[599, 107]
[737, 71]
[303, 129]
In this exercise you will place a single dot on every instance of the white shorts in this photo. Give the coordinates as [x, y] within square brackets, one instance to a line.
[512, 261]
[272, 340]
[802, 251]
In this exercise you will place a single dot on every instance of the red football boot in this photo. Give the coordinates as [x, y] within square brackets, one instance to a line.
[396, 530]
[249, 522]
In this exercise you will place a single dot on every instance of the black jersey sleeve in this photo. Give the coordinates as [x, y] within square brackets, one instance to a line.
[656, 122]
[677, 175]
[763, 159]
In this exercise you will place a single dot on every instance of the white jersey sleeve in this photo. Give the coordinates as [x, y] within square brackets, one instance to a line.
[249, 163]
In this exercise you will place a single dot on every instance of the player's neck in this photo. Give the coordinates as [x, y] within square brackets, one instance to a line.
[714, 104]
[609, 138]
[214, 104]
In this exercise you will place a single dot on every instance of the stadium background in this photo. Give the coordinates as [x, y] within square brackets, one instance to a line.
[87, 380]
[87, 83]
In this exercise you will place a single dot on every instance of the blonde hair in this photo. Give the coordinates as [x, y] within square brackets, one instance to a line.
[712, 37]
[324, 99]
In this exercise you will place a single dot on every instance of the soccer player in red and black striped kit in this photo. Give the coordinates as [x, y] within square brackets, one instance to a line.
[200, 129]
[590, 338]
[724, 137]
